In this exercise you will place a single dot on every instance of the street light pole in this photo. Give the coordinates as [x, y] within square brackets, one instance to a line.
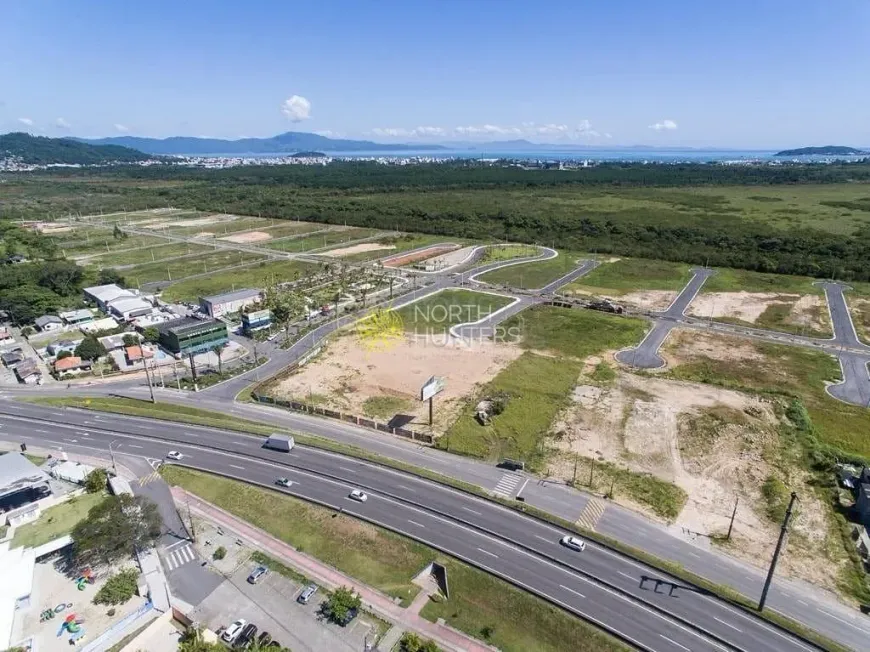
[112, 454]
[776, 552]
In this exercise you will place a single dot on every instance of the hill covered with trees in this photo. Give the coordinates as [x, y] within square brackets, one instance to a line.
[40, 150]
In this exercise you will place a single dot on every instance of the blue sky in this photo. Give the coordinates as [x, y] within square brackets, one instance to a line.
[742, 74]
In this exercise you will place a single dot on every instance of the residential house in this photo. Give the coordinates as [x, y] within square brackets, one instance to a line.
[115, 342]
[138, 353]
[28, 372]
[12, 358]
[5, 336]
[55, 348]
[49, 323]
[71, 365]
[76, 317]
[104, 324]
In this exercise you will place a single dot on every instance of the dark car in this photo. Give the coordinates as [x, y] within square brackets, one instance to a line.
[247, 635]
[349, 616]
[264, 638]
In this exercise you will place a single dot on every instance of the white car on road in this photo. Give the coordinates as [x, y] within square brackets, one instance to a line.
[231, 632]
[358, 496]
[174, 455]
[573, 542]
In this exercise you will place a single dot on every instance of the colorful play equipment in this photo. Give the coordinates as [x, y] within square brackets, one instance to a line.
[87, 577]
[71, 625]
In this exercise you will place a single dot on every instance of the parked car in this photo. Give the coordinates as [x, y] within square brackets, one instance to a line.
[257, 574]
[307, 593]
[349, 616]
[358, 495]
[231, 632]
[247, 635]
[283, 482]
[174, 455]
[264, 639]
[573, 543]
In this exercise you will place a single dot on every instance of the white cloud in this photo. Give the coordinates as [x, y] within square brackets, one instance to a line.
[488, 130]
[60, 123]
[390, 132]
[430, 131]
[329, 133]
[26, 121]
[296, 108]
[664, 125]
[121, 128]
[558, 131]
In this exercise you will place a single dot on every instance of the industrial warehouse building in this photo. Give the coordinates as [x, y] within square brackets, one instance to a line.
[189, 335]
[117, 301]
[231, 302]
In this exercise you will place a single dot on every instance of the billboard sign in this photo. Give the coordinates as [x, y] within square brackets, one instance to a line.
[431, 387]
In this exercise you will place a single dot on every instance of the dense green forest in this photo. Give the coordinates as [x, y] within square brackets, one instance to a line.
[39, 150]
[792, 219]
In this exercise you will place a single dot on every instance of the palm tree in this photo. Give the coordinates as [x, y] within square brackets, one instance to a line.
[218, 350]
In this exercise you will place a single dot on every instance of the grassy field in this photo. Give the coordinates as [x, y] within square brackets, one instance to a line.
[508, 252]
[534, 275]
[253, 276]
[379, 558]
[110, 244]
[784, 370]
[320, 240]
[385, 407]
[404, 242]
[631, 274]
[56, 521]
[177, 269]
[576, 333]
[741, 280]
[511, 619]
[218, 229]
[536, 387]
[147, 254]
[437, 313]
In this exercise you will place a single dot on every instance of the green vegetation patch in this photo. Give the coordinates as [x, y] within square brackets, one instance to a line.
[147, 254]
[379, 558]
[260, 275]
[178, 269]
[536, 387]
[321, 240]
[572, 332]
[536, 274]
[741, 280]
[398, 244]
[494, 253]
[511, 619]
[631, 274]
[438, 312]
[56, 521]
[385, 407]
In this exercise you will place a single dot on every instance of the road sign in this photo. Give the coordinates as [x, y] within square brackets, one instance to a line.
[431, 387]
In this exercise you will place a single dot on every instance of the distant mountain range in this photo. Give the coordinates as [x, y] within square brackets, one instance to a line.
[289, 142]
[39, 150]
[827, 150]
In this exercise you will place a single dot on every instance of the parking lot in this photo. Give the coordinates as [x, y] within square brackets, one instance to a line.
[271, 605]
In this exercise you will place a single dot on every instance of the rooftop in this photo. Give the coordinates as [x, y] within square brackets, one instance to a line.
[188, 324]
[17, 472]
[137, 353]
[227, 297]
[47, 319]
[129, 304]
[71, 362]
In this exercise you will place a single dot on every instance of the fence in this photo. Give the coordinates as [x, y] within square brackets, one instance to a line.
[296, 406]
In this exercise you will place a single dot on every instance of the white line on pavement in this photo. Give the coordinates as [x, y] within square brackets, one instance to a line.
[133, 446]
[235, 466]
[416, 523]
[344, 468]
[673, 642]
[468, 509]
[627, 575]
[562, 586]
[727, 624]
[487, 552]
[538, 536]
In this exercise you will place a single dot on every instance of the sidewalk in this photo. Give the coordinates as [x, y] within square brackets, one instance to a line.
[383, 606]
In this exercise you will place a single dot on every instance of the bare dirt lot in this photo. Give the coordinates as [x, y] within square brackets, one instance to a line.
[348, 373]
[797, 310]
[452, 258]
[715, 444]
[363, 247]
[642, 300]
[249, 236]
[416, 256]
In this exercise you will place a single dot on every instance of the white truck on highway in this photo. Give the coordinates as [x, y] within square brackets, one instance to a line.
[279, 442]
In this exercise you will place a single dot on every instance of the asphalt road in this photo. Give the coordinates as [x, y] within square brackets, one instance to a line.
[597, 584]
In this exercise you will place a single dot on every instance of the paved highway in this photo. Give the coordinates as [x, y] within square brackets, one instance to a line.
[598, 584]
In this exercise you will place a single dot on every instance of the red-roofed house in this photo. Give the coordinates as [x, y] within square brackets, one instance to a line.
[137, 353]
[71, 364]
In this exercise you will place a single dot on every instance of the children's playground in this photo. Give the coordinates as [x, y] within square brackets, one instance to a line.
[61, 614]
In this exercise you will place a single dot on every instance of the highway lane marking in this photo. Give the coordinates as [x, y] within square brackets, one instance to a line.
[487, 552]
[344, 468]
[803, 603]
[727, 624]
[673, 642]
[132, 446]
[697, 556]
[71, 441]
[191, 434]
[44, 432]
[523, 487]
[416, 523]
[562, 586]
[827, 613]
[627, 575]
[468, 509]
[538, 536]
[401, 486]
[235, 466]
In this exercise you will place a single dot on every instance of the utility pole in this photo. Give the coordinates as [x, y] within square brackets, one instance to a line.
[574, 481]
[591, 469]
[148, 376]
[776, 552]
[733, 514]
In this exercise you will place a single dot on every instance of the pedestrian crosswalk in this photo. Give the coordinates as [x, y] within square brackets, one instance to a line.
[151, 477]
[592, 513]
[506, 485]
[179, 557]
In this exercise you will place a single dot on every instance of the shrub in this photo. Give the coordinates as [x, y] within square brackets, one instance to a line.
[219, 553]
[119, 588]
[64, 354]
[411, 642]
[340, 603]
[96, 481]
